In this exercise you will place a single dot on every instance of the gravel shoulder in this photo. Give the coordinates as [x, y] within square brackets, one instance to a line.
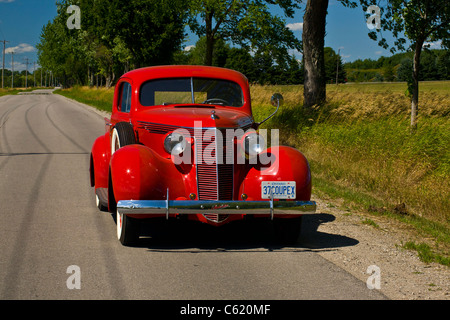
[403, 276]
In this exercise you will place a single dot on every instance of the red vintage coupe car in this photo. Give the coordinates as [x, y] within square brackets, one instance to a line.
[182, 141]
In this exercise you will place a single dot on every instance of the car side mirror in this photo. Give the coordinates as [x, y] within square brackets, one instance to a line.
[276, 100]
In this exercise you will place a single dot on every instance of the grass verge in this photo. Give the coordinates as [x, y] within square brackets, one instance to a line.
[361, 150]
[5, 92]
[426, 254]
[100, 98]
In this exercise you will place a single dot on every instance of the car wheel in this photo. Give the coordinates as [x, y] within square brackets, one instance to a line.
[287, 231]
[127, 229]
[100, 206]
[122, 135]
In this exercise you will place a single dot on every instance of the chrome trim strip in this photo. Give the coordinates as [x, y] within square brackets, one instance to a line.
[217, 163]
[269, 207]
[271, 204]
[243, 127]
[196, 165]
[167, 204]
[234, 151]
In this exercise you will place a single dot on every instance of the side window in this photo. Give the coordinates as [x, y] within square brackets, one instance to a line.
[125, 97]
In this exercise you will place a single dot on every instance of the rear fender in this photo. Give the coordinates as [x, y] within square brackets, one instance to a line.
[99, 163]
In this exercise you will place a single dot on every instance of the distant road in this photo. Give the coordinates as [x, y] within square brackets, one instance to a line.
[50, 222]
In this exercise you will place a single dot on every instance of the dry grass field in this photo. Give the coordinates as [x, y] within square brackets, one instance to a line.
[361, 149]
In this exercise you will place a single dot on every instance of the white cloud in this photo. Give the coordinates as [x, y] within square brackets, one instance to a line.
[7, 1]
[21, 48]
[298, 26]
[433, 45]
[19, 66]
[378, 53]
[189, 48]
[295, 52]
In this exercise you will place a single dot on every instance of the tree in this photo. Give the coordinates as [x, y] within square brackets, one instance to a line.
[314, 21]
[443, 62]
[404, 71]
[241, 60]
[59, 49]
[245, 23]
[196, 54]
[259, 67]
[421, 21]
[295, 71]
[115, 36]
[388, 72]
[333, 64]
[152, 30]
[313, 52]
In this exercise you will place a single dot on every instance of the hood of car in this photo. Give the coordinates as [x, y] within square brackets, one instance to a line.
[191, 116]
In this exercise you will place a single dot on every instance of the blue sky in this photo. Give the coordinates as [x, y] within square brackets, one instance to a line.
[21, 22]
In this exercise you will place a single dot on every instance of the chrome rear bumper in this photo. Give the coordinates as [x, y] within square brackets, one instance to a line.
[269, 207]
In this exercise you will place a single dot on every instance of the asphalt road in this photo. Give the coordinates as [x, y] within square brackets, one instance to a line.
[49, 222]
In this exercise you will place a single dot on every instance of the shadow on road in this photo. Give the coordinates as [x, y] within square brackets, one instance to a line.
[254, 234]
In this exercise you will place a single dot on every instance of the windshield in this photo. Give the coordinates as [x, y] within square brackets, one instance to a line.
[191, 90]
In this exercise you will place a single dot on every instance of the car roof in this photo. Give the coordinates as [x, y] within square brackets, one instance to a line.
[181, 71]
[142, 75]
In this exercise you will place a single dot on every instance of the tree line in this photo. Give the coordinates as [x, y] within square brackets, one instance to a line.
[434, 65]
[117, 36]
[114, 39]
[259, 68]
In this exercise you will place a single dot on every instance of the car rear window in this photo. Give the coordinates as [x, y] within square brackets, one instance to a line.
[191, 91]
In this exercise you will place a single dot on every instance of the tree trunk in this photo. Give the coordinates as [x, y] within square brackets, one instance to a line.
[109, 79]
[89, 76]
[314, 21]
[209, 51]
[209, 38]
[415, 84]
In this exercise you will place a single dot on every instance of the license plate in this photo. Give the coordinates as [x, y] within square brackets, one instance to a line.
[279, 189]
